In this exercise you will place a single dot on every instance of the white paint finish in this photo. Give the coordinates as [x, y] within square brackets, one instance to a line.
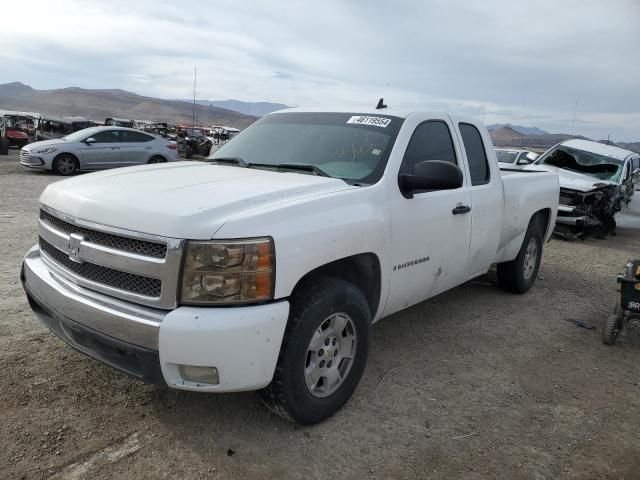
[424, 227]
[487, 208]
[180, 200]
[241, 342]
[600, 148]
[313, 221]
[314, 231]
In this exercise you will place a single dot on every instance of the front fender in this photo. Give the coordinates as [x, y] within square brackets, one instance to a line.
[318, 230]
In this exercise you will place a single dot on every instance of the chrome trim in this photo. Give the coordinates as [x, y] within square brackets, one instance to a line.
[123, 321]
[165, 269]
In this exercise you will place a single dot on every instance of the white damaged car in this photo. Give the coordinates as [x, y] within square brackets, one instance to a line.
[596, 182]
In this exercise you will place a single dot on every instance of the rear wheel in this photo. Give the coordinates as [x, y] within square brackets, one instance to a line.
[157, 159]
[323, 353]
[65, 164]
[519, 275]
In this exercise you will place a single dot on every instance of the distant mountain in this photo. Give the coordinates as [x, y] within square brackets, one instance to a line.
[255, 109]
[518, 128]
[101, 104]
[508, 137]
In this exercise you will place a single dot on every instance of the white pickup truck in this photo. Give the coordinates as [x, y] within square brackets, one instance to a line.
[264, 267]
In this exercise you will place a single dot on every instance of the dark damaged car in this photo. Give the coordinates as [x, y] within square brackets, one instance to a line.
[596, 182]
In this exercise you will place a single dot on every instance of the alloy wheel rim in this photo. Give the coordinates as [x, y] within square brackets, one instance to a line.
[66, 165]
[530, 258]
[330, 355]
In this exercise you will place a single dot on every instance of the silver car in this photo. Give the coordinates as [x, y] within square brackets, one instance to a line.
[98, 148]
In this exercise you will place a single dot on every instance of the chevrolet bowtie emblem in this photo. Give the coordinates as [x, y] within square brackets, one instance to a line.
[74, 247]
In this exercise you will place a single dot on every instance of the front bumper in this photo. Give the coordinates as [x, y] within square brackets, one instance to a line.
[571, 216]
[241, 342]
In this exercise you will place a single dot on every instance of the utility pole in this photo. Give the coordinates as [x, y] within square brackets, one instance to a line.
[193, 119]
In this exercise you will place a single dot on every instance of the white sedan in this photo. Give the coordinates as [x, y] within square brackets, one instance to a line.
[514, 158]
[98, 148]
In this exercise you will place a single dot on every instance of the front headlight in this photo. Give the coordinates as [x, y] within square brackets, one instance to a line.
[226, 272]
[45, 150]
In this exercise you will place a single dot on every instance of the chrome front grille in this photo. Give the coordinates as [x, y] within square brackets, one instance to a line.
[137, 267]
[126, 244]
[150, 287]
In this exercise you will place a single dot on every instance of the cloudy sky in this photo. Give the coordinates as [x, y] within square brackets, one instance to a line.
[530, 63]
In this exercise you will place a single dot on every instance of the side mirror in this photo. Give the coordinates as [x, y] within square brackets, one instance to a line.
[90, 140]
[430, 175]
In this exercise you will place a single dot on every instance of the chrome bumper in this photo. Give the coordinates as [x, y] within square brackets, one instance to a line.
[122, 321]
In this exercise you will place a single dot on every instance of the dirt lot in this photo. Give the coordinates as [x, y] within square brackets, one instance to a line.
[475, 383]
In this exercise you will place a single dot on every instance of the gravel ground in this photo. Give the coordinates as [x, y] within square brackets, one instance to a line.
[475, 383]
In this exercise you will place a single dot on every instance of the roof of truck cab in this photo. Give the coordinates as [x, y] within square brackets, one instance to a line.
[391, 112]
[599, 148]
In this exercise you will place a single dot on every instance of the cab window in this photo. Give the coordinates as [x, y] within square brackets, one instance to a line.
[431, 140]
[476, 154]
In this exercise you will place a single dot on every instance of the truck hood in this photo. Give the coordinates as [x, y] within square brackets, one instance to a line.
[181, 200]
[572, 180]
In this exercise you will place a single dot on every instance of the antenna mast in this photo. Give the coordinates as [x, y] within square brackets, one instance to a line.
[193, 119]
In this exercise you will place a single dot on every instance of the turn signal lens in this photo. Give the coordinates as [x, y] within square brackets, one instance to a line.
[228, 272]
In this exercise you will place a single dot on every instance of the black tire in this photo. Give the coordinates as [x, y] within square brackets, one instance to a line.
[4, 146]
[157, 159]
[611, 328]
[516, 276]
[65, 164]
[311, 306]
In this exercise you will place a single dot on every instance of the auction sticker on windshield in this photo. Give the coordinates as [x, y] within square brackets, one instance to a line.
[375, 121]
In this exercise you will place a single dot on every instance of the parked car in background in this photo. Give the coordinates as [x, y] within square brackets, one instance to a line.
[49, 127]
[514, 158]
[264, 267]
[120, 122]
[17, 129]
[98, 148]
[596, 182]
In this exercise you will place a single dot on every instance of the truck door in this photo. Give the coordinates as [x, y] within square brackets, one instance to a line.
[486, 197]
[430, 233]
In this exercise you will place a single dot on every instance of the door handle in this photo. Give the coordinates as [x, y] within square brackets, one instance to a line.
[460, 209]
[115, 148]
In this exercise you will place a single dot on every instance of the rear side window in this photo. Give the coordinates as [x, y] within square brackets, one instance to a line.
[476, 154]
[430, 141]
[131, 137]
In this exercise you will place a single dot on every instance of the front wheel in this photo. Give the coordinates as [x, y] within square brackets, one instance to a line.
[65, 165]
[323, 353]
[519, 275]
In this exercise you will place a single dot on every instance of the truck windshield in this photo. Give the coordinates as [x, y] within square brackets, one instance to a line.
[581, 161]
[350, 146]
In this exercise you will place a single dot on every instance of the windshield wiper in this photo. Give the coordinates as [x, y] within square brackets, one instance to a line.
[292, 166]
[229, 161]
